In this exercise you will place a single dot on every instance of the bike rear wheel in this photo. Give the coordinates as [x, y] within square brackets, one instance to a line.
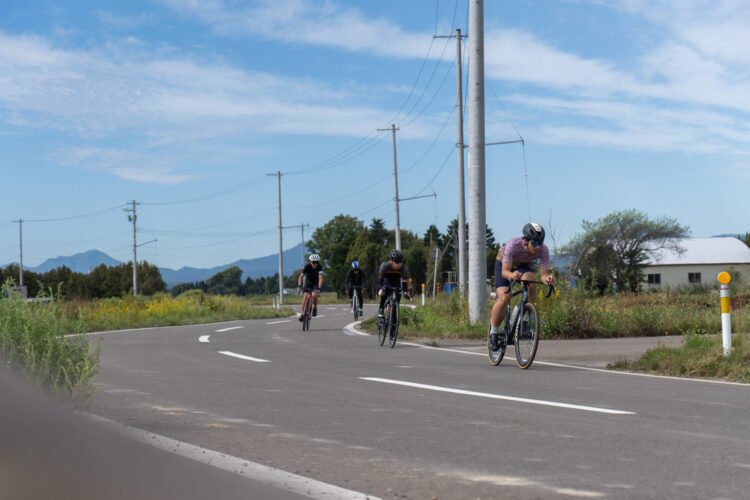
[495, 355]
[394, 325]
[528, 330]
[383, 324]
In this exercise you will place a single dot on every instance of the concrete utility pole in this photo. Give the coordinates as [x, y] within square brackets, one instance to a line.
[20, 244]
[477, 208]
[395, 185]
[462, 280]
[133, 217]
[302, 227]
[281, 245]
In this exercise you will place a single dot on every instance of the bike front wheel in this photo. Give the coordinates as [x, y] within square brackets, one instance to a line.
[355, 304]
[495, 355]
[394, 325]
[383, 325]
[528, 331]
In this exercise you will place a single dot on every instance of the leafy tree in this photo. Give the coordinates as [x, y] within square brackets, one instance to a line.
[226, 282]
[614, 249]
[332, 242]
[378, 233]
[746, 239]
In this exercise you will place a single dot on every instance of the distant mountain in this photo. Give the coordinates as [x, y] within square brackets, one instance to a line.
[79, 263]
[251, 268]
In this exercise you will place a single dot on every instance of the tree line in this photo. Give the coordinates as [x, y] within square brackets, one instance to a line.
[103, 281]
[609, 255]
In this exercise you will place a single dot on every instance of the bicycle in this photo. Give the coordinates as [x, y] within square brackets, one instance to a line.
[522, 330]
[356, 306]
[389, 322]
[306, 309]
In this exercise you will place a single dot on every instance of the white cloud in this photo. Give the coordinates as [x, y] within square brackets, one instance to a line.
[322, 23]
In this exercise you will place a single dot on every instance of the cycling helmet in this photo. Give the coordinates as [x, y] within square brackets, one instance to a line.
[314, 258]
[533, 232]
[396, 256]
[355, 264]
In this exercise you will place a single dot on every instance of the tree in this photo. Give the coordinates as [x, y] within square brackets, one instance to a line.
[614, 249]
[332, 242]
[746, 239]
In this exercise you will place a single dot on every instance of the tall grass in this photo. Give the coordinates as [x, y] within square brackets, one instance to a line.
[575, 314]
[32, 339]
[700, 356]
[190, 307]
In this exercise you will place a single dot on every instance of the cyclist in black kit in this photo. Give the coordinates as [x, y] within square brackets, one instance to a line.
[311, 280]
[355, 279]
[392, 273]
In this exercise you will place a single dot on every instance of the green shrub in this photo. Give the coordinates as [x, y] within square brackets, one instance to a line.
[33, 339]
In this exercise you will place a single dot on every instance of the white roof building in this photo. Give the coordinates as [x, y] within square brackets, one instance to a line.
[702, 260]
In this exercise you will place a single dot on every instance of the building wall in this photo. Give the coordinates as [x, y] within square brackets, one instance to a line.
[676, 276]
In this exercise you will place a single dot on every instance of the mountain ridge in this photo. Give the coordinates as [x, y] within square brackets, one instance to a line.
[85, 262]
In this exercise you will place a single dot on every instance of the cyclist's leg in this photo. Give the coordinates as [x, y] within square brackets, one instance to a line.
[501, 289]
[314, 303]
[383, 298]
[529, 273]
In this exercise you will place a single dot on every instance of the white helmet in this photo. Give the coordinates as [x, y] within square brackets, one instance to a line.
[314, 258]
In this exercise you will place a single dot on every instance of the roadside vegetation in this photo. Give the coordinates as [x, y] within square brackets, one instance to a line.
[40, 339]
[33, 340]
[699, 356]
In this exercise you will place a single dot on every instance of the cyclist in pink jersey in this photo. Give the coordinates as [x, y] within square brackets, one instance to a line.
[518, 259]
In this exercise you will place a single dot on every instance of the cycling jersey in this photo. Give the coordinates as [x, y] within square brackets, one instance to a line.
[390, 276]
[311, 276]
[355, 277]
[515, 252]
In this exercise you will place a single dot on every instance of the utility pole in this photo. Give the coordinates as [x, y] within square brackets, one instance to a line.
[477, 207]
[281, 244]
[20, 244]
[395, 185]
[133, 217]
[462, 280]
[302, 227]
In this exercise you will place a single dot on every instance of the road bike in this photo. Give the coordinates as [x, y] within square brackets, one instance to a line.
[389, 322]
[521, 329]
[306, 310]
[356, 306]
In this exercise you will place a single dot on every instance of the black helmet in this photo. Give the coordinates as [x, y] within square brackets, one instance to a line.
[396, 256]
[533, 232]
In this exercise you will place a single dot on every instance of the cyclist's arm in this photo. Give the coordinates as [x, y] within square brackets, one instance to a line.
[547, 276]
[508, 273]
[299, 280]
[320, 280]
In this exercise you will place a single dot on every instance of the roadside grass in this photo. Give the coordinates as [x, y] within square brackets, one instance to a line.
[292, 299]
[572, 314]
[39, 337]
[699, 356]
[191, 307]
[33, 340]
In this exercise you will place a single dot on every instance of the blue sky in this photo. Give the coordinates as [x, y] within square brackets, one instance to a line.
[187, 105]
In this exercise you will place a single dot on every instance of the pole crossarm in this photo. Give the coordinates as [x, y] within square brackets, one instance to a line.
[497, 143]
[433, 195]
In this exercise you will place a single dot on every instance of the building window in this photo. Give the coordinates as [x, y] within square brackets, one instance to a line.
[654, 279]
[694, 278]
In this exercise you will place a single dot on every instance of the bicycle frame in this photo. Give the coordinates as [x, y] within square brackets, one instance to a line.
[525, 290]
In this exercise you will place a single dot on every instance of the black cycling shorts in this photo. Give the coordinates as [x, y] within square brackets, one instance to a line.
[523, 269]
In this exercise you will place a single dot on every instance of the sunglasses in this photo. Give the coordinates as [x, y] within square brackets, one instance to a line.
[536, 244]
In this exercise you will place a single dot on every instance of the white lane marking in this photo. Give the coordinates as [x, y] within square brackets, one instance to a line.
[277, 322]
[204, 339]
[350, 330]
[242, 356]
[230, 328]
[147, 328]
[277, 478]
[497, 396]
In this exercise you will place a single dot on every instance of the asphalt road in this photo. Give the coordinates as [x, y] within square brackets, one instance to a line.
[419, 422]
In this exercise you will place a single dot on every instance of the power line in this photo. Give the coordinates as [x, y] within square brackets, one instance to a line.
[81, 216]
